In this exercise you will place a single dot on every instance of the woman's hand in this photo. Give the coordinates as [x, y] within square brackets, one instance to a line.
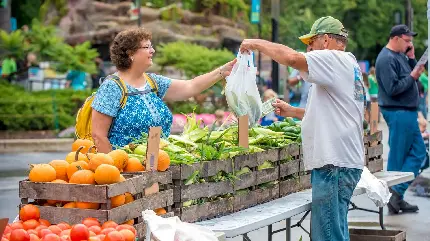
[225, 70]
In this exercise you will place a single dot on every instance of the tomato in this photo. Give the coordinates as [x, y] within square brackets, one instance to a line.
[44, 232]
[107, 230]
[126, 226]
[109, 224]
[101, 237]
[114, 236]
[16, 225]
[128, 235]
[30, 224]
[19, 235]
[7, 230]
[94, 238]
[79, 232]
[28, 212]
[65, 238]
[44, 222]
[32, 231]
[65, 232]
[95, 229]
[89, 222]
[55, 229]
[51, 237]
[34, 237]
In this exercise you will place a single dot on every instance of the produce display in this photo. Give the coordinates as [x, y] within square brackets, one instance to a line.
[32, 227]
[84, 166]
[197, 143]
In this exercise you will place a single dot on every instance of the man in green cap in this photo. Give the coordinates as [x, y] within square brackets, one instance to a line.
[332, 122]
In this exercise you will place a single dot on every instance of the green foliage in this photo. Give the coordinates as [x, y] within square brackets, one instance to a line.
[25, 11]
[368, 22]
[193, 59]
[13, 44]
[21, 110]
[44, 42]
[59, 5]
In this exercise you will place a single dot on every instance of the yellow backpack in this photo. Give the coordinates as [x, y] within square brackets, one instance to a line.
[83, 118]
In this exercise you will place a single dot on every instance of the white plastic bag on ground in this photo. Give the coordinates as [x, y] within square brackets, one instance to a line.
[376, 189]
[241, 90]
[173, 229]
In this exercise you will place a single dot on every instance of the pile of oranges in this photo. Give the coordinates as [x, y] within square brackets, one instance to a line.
[31, 227]
[84, 166]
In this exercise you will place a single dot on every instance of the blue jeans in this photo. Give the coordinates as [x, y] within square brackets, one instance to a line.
[332, 189]
[407, 149]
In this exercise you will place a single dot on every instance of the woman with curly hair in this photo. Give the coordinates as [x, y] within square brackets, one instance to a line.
[114, 124]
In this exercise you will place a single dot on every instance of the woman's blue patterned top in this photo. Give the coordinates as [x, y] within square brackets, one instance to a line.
[140, 112]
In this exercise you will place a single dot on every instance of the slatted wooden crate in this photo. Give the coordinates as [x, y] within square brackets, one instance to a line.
[251, 181]
[374, 150]
[134, 184]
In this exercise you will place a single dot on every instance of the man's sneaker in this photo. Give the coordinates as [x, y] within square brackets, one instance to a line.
[407, 208]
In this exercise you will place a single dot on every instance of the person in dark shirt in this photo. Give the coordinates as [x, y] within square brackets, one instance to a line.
[398, 100]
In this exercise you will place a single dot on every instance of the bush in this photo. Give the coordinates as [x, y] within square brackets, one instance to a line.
[21, 110]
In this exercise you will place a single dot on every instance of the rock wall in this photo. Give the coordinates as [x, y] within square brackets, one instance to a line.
[100, 21]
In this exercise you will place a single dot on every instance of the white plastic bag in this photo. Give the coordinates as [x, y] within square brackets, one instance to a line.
[241, 90]
[376, 189]
[173, 229]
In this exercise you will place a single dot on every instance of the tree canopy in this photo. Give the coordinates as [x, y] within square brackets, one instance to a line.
[368, 22]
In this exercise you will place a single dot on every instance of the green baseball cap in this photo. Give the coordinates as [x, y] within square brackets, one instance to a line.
[325, 25]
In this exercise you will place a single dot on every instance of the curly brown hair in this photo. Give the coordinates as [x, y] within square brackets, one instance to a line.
[125, 44]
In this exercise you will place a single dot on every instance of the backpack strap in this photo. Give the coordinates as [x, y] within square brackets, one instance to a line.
[122, 86]
[152, 83]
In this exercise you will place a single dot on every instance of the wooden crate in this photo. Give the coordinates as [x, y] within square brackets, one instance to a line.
[183, 193]
[376, 235]
[290, 157]
[141, 227]
[373, 158]
[373, 139]
[134, 184]
[288, 186]
[206, 169]
[205, 211]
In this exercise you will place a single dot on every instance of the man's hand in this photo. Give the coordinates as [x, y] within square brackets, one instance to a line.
[284, 109]
[418, 70]
[411, 52]
[249, 45]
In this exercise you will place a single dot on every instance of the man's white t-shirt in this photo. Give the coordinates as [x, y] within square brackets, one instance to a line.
[332, 128]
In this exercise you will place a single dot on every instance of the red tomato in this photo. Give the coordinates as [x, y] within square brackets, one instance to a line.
[109, 224]
[79, 232]
[55, 229]
[126, 226]
[95, 229]
[44, 232]
[114, 236]
[19, 235]
[51, 237]
[44, 222]
[107, 230]
[89, 222]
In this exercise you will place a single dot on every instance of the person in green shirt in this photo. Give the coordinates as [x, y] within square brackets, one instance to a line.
[373, 85]
[423, 97]
[8, 67]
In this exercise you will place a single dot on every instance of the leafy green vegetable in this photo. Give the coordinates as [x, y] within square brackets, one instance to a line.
[265, 165]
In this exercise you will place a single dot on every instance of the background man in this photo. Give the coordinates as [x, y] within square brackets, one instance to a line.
[398, 99]
[332, 127]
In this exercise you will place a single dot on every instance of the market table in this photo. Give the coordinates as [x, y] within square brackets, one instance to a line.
[245, 221]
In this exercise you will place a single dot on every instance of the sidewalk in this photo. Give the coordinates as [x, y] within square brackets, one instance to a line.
[35, 145]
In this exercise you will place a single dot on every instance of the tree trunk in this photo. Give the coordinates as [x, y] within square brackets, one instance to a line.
[5, 17]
